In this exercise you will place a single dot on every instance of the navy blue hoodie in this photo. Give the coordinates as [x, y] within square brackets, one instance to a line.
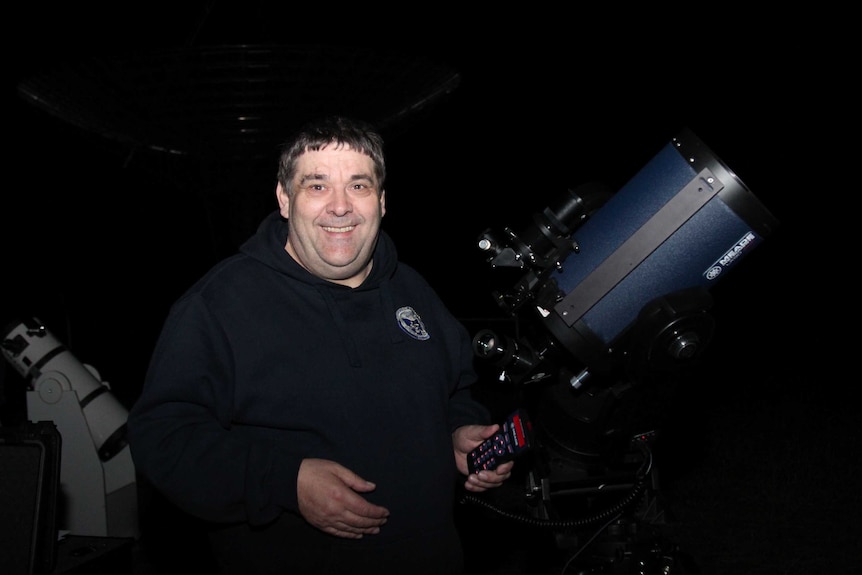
[260, 364]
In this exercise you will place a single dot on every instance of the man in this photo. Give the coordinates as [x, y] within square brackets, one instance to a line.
[309, 397]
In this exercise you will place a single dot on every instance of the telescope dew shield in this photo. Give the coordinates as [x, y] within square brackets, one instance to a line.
[680, 223]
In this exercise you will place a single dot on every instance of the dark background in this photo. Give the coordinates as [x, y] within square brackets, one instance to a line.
[100, 234]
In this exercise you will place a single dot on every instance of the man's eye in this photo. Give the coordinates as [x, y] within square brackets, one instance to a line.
[362, 188]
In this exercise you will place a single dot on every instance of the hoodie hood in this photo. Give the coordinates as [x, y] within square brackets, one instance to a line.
[267, 247]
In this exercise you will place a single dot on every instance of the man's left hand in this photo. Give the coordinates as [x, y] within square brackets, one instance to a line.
[464, 440]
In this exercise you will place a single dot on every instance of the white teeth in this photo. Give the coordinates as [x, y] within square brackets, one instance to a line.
[338, 230]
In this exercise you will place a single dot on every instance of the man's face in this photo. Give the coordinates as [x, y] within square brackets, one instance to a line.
[334, 213]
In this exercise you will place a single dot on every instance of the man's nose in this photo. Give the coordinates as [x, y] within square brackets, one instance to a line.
[339, 202]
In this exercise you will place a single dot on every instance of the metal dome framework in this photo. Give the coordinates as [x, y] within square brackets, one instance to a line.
[234, 101]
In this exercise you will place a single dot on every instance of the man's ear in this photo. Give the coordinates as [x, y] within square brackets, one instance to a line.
[283, 199]
[382, 203]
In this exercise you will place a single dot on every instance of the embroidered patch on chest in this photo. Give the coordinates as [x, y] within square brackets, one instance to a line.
[410, 322]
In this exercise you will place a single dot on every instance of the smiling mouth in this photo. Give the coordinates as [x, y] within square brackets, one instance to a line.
[339, 230]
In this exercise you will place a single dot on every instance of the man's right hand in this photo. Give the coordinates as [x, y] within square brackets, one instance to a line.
[329, 499]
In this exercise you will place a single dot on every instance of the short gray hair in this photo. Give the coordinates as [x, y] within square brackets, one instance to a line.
[345, 132]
